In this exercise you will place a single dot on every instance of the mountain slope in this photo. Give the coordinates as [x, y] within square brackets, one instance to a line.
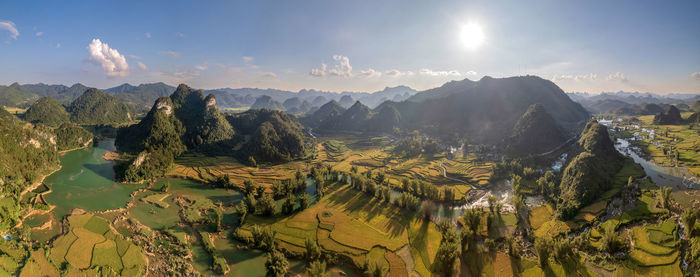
[266, 102]
[97, 107]
[535, 132]
[27, 152]
[47, 111]
[142, 96]
[15, 95]
[591, 170]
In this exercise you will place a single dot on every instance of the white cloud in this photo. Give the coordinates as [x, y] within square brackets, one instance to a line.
[247, 59]
[113, 63]
[342, 68]
[38, 34]
[471, 72]
[319, 72]
[618, 77]
[10, 27]
[142, 66]
[147, 34]
[269, 75]
[429, 72]
[178, 34]
[134, 57]
[370, 73]
[170, 53]
[398, 73]
[583, 77]
[695, 75]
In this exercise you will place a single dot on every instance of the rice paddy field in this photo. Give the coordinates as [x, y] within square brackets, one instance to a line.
[204, 169]
[680, 137]
[89, 243]
[459, 173]
[388, 236]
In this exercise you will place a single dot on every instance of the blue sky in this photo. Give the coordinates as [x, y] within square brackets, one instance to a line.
[588, 46]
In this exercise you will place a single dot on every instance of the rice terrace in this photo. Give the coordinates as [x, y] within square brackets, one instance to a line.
[328, 138]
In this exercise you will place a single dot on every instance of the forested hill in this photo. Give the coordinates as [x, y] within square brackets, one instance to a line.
[189, 121]
[535, 132]
[485, 111]
[26, 153]
[590, 170]
[97, 107]
[47, 111]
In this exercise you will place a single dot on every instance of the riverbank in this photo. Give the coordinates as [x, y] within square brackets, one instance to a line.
[86, 145]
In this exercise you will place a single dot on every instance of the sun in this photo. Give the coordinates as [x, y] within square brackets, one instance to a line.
[472, 35]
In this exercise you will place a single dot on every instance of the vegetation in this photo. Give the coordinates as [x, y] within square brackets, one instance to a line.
[47, 111]
[71, 136]
[96, 107]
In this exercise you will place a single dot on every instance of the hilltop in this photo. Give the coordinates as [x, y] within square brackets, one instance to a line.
[97, 107]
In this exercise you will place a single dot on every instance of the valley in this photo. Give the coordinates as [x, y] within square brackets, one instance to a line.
[191, 190]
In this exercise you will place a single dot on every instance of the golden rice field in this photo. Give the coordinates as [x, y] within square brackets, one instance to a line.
[203, 169]
[340, 216]
[344, 154]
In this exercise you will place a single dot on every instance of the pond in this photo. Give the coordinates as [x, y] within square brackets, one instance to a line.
[86, 181]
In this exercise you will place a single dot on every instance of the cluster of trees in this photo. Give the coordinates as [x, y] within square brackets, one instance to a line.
[410, 146]
[263, 204]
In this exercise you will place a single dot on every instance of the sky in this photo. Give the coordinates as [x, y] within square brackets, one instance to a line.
[583, 46]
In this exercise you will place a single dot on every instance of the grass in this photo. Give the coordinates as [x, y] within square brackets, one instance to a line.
[80, 252]
[424, 239]
[157, 199]
[90, 243]
[105, 254]
[540, 215]
[60, 247]
[133, 257]
[655, 246]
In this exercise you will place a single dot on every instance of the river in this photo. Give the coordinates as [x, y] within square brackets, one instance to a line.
[86, 181]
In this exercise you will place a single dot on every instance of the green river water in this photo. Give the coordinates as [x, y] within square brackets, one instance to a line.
[86, 181]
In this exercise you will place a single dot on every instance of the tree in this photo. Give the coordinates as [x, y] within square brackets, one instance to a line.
[218, 219]
[289, 203]
[165, 187]
[610, 242]
[689, 216]
[472, 218]
[446, 253]
[268, 239]
[313, 251]
[251, 202]
[276, 264]
[242, 211]
[249, 186]
[664, 196]
[317, 269]
[542, 248]
[492, 200]
[304, 201]
[513, 250]
[278, 189]
[266, 205]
